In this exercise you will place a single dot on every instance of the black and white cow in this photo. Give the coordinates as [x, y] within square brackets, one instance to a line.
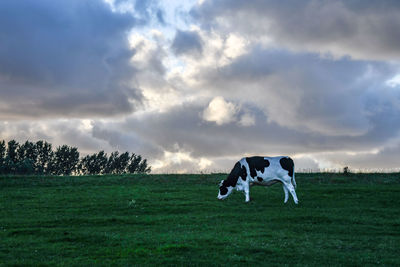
[264, 171]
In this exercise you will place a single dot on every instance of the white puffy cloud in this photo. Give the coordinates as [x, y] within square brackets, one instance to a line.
[180, 161]
[220, 111]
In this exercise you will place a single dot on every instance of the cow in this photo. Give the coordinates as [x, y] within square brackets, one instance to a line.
[264, 171]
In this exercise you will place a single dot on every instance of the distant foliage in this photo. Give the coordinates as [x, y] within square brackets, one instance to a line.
[39, 158]
[65, 160]
[100, 163]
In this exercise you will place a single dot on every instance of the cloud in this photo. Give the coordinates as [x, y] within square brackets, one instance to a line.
[183, 127]
[72, 132]
[315, 80]
[220, 111]
[182, 134]
[247, 119]
[359, 29]
[187, 42]
[116, 138]
[290, 102]
[68, 59]
[180, 161]
[303, 91]
[223, 112]
[394, 81]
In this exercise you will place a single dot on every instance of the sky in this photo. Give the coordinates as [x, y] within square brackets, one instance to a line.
[193, 86]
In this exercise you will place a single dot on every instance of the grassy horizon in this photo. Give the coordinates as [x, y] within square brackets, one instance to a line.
[176, 219]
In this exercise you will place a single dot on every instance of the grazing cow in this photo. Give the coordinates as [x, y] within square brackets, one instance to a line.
[264, 171]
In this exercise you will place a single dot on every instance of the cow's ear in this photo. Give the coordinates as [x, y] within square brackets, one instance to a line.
[220, 183]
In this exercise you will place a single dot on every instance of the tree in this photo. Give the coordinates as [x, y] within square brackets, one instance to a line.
[65, 160]
[93, 164]
[117, 163]
[2, 156]
[143, 168]
[112, 163]
[39, 158]
[83, 167]
[136, 165]
[27, 157]
[25, 166]
[2, 150]
[12, 148]
[123, 162]
[44, 157]
[11, 158]
[101, 162]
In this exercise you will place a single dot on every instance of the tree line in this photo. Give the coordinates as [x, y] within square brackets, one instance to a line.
[40, 159]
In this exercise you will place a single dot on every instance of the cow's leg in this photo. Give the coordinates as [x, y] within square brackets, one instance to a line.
[246, 189]
[247, 192]
[290, 187]
[286, 193]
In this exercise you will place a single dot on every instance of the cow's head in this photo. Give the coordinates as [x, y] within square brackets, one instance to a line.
[224, 190]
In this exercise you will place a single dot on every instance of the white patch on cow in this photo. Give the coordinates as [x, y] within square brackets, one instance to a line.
[270, 175]
[239, 186]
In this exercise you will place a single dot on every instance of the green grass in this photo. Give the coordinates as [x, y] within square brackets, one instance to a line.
[177, 220]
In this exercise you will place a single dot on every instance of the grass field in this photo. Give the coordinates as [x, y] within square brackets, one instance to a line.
[177, 220]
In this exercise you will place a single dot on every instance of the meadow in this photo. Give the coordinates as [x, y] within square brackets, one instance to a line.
[176, 220]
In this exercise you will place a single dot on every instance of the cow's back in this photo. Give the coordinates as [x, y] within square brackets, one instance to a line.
[268, 168]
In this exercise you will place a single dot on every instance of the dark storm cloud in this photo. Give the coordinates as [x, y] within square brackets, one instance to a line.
[186, 42]
[361, 29]
[65, 58]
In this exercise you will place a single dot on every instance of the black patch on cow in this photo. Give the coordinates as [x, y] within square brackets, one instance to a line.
[243, 173]
[257, 164]
[233, 175]
[260, 179]
[287, 164]
[223, 190]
